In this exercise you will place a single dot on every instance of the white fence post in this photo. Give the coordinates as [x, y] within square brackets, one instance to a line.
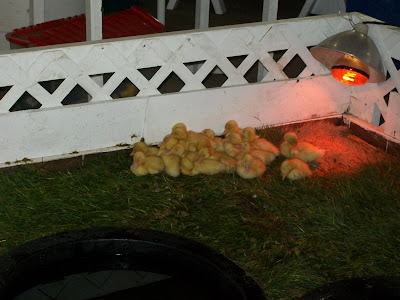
[50, 128]
[37, 11]
[94, 20]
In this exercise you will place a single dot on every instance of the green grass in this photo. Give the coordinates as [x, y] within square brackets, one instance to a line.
[291, 237]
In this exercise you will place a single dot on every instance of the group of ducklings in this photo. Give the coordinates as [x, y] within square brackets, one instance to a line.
[239, 150]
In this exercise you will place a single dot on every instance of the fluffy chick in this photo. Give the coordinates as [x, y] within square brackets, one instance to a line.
[265, 156]
[306, 152]
[172, 163]
[250, 167]
[265, 145]
[249, 134]
[209, 153]
[231, 145]
[142, 147]
[180, 150]
[209, 133]
[143, 165]
[289, 141]
[178, 125]
[230, 127]
[216, 142]
[208, 167]
[195, 141]
[294, 169]
[187, 167]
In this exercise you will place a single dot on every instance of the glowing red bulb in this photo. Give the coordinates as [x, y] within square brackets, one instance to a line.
[349, 75]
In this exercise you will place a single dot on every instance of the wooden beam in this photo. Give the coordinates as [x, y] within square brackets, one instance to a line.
[270, 10]
[202, 14]
[94, 20]
[37, 11]
[161, 11]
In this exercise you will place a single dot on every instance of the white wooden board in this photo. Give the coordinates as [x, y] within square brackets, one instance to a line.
[57, 130]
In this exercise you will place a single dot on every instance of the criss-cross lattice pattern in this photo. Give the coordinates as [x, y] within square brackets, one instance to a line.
[82, 72]
[379, 104]
[66, 96]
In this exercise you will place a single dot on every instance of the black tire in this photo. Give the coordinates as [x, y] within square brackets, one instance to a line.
[207, 273]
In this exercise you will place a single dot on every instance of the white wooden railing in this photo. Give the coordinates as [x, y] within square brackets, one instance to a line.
[53, 105]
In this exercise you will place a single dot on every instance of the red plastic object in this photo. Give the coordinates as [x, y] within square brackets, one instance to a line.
[130, 22]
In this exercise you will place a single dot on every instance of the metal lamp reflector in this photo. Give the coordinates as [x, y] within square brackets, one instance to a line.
[351, 56]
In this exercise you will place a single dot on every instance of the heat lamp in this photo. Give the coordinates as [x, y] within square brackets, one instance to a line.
[351, 56]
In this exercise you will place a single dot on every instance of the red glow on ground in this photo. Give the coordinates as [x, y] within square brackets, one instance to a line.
[345, 153]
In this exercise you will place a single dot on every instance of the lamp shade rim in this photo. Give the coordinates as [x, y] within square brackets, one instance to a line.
[328, 57]
[355, 44]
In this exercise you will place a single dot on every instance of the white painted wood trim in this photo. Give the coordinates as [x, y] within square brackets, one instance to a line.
[55, 130]
[307, 7]
[94, 20]
[219, 6]
[80, 128]
[161, 11]
[37, 11]
[270, 10]
[172, 4]
[348, 119]
[202, 14]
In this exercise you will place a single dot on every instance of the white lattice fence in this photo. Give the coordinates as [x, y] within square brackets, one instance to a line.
[24, 72]
[38, 85]
[379, 104]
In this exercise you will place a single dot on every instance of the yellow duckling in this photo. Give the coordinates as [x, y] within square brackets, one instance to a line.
[265, 156]
[195, 141]
[291, 148]
[306, 152]
[249, 134]
[257, 142]
[216, 142]
[209, 133]
[230, 127]
[129, 91]
[289, 141]
[187, 167]
[142, 147]
[232, 144]
[229, 162]
[165, 139]
[180, 150]
[208, 167]
[179, 133]
[172, 163]
[294, 169]
[167, 145]
[250, 167]
[265, 145]
[143, 165]
[209, 153]
[169, 137]
[178, 125]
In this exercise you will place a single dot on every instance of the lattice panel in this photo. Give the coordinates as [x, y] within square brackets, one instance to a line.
[379, 104]
[44, 78]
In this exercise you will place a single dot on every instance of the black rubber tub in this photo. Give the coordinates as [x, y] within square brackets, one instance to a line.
[110, 263]
[358, 288]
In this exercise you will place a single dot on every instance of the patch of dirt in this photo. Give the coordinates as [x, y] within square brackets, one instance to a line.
[344, 152]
